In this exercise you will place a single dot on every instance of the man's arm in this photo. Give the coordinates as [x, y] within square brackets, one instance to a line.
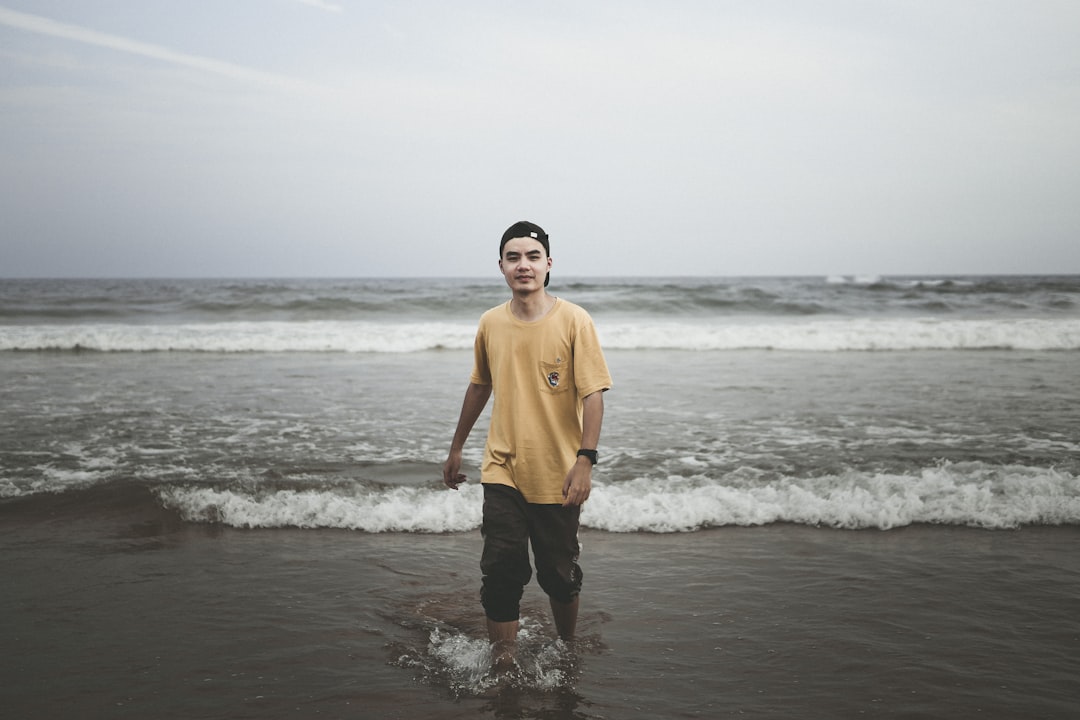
[476, 397]
[578, 484]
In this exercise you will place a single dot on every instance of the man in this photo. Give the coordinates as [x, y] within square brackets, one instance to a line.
[540, 356]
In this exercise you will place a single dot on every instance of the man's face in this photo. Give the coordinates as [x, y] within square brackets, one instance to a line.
[524, 264]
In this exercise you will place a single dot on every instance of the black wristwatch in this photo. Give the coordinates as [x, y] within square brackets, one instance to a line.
[591, 454]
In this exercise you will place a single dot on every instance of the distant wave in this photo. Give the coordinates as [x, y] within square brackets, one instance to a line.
[241, 337]
[858, 334]
[35, 302]
[850, 334]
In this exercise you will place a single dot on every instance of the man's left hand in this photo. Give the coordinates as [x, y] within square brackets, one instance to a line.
[578, 483]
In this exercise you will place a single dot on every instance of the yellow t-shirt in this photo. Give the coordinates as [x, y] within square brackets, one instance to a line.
[539, 372]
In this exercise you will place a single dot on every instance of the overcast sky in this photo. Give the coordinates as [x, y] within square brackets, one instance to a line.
[347, 138]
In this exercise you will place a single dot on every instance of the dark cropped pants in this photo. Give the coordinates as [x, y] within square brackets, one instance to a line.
[509, 524]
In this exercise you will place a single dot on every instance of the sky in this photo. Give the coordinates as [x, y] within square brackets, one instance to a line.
[340, 138]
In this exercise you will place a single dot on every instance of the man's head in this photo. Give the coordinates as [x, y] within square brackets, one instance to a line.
[531, 231]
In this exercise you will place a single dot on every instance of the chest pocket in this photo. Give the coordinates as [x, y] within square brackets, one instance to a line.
[556, 377]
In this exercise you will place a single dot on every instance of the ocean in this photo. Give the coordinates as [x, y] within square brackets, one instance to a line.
[817, 497]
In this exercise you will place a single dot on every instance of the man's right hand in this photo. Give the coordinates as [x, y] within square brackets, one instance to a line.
[451, 470]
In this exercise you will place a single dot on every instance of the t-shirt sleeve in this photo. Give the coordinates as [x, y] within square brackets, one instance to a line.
[481, 372]
[590, 368]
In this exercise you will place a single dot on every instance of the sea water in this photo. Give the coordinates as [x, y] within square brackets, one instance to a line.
[874, 402]
[173, 453]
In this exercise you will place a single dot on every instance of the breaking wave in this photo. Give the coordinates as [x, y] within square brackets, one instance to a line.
[821, 335]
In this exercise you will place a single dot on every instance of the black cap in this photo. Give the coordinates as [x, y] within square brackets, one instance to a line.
[526, 229]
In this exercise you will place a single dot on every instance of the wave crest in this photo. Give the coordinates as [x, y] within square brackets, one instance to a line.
[859, 334]
[965, 494]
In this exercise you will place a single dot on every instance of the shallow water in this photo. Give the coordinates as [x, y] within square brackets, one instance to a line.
[130, 612]
[690, 439]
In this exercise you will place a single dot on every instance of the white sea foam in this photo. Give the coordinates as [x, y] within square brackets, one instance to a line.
[849, 334]
[709, 334]
[972, 494]
[398, 509]
[852, 279]
[316, 336]
[49, 479]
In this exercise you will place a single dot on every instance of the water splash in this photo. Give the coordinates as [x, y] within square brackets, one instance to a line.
[463, 664]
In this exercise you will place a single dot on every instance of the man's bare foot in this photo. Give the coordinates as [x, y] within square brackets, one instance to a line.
[503, 637]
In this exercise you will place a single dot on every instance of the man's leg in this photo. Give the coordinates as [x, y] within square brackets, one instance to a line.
[505, 567]
[565, 615]
[553, 531]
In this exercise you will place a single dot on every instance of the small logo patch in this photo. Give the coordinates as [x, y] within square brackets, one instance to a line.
[553, 379]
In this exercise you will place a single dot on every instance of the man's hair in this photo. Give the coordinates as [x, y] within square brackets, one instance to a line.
[526, 229]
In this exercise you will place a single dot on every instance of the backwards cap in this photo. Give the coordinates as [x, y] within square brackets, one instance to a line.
[526, 229]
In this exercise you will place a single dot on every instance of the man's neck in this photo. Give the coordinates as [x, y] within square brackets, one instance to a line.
[530, 307]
